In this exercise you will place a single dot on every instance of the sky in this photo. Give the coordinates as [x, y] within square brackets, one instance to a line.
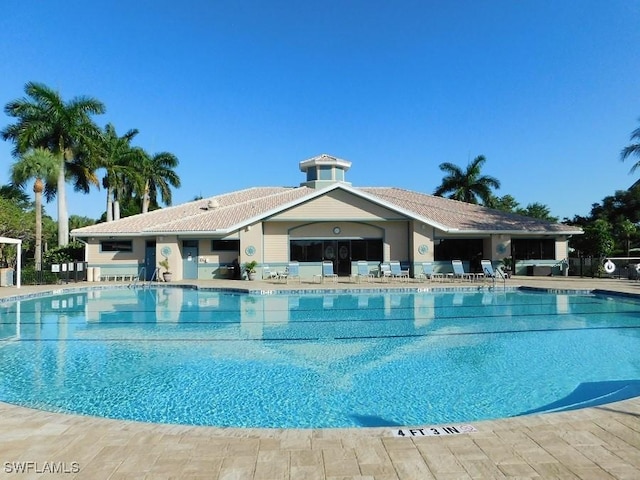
[242, 91]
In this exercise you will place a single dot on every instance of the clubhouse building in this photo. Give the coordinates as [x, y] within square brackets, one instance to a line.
[323, 219]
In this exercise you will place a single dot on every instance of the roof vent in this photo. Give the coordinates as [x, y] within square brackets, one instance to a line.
[213, 204]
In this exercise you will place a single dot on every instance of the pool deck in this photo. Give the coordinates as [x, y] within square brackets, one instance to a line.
[593, 443]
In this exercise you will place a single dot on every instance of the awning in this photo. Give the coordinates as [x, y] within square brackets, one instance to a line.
[15, 241]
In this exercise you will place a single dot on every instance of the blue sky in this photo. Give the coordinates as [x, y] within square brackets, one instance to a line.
[242, 91]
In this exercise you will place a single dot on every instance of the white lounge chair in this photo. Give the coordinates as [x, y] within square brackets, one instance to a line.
[292, 272]
[397, 272]
[489, 272]
[267, 274]
[327, 271]
[428, 273]
[363, 272]
[458, 271]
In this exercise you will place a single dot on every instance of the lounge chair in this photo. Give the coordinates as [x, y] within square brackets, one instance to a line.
[363, 272]
[384, 272]
[267, 274]
[458, 271]
[397, 272]
[489, 272]
[292, 272]
[428, 273]
[327, 271]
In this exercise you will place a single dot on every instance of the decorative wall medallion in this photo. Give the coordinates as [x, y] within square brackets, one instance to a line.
[501, 248]
[336, 230]
[250, 250]
[166, 251]
[422, 249]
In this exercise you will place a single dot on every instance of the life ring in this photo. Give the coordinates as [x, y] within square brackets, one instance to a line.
[609, 266]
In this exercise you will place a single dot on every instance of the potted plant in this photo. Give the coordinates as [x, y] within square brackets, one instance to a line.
[507, 263]
[166, 275]
[250, 268]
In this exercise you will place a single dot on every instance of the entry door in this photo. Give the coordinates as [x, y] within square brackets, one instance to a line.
[190, 259]
[343, 258]
[149, 259]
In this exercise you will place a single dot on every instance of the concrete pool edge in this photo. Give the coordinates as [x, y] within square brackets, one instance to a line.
[595, 442]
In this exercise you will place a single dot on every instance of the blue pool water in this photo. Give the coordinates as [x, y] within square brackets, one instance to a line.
[198, 357]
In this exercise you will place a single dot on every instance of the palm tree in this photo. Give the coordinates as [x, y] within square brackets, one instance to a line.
[158, 176]
[633, 149]
[116, 155]
[467, 186]
[64, 128]
[36, 164]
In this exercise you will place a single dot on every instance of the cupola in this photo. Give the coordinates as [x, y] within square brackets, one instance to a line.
[324, 170]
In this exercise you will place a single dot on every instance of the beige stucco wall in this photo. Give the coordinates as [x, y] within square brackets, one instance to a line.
[338, 205]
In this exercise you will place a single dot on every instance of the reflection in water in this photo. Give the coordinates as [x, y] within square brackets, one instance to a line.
[188, 356]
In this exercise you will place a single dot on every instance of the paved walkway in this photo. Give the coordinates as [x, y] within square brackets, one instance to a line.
[594, 443]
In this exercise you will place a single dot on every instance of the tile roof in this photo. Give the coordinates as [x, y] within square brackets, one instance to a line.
[228, 212]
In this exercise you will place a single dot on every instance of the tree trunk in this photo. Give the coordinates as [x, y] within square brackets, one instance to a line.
[37, 190]
[145, 198]
[63, 217]
[109, 205]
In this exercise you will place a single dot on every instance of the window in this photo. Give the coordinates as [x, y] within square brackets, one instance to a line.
[116, 246]
[326, 172]
[457, 249]
[305, 250]
[225, 245]
[319, 250]
[534, 248]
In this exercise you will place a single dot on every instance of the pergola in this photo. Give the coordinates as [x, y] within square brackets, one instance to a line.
[15, 241]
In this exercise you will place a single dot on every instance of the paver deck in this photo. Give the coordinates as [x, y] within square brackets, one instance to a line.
[594, 443]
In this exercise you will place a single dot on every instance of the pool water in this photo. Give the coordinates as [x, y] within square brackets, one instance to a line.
[197, 357]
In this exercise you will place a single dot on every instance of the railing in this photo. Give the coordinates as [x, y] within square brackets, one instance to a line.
[142, 275]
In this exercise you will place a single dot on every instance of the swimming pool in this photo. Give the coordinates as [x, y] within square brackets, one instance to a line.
[375, 358]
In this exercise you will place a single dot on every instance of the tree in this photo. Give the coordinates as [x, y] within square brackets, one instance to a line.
[467, 186]
[116, 155]
[36, 164]
[537, 210]
[626, 228]
[633, 149]
[64, 128]
[16, 195]
[505, 204]
[157, 175]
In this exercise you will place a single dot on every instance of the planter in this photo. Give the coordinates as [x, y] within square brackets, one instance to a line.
[167, 276]
[252, 275]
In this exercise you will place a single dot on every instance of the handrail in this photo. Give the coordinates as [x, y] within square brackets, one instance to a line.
[142, 271]
[142, 275]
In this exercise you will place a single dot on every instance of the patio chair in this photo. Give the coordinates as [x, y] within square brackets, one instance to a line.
[489, 271]
[267, 274]
[385, 272]
[397, 272]
[428, 273]
[458, 271]
[363, 272]
[327, 271]
[292, 272]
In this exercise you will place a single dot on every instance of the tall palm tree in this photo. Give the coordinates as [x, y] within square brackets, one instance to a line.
[158, 176]
[45, 120]
[119, 159]
[467, 186]
[36, 164]
[633, 149]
